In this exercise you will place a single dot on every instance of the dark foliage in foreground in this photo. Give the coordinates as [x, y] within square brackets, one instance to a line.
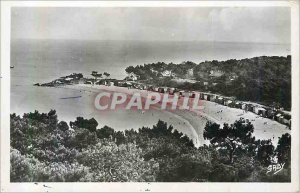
[44, 149]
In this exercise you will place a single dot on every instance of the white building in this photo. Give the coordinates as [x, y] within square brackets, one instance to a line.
[132, 76]
[166, 73]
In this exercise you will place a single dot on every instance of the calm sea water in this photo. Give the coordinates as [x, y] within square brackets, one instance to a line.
[44, 60]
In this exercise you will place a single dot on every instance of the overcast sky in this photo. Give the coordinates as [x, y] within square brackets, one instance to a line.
[268, 24]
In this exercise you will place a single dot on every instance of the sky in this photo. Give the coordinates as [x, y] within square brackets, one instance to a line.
[239, 24]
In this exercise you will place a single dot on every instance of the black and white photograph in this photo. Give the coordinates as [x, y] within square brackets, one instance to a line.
[148, 94]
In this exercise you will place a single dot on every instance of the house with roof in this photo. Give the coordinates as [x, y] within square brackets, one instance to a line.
[260, 111]
[171, 91]
[166, 73]
[227, 102]
[214, 97]
[132, 77]
[216, 73]
[190, 72]
[220, 100]
[238, 105]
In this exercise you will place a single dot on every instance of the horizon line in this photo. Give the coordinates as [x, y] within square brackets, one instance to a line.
[137, 40]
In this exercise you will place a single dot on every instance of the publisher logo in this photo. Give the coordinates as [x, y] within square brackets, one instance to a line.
[275, 167]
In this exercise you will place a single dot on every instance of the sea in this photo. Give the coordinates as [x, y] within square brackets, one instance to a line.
[40, 61]
[45, 60]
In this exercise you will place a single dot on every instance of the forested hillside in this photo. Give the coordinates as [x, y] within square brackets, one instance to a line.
[260, 79]
[46, 150]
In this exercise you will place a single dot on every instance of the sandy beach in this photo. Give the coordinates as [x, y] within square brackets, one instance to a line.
[190, 122]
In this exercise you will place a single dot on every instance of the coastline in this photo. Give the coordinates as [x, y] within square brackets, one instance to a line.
[264, 128]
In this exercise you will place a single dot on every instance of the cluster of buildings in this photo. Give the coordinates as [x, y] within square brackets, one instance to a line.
[279, 115]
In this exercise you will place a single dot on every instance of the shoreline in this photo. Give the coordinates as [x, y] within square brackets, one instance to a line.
[264, 128]
[179, 113]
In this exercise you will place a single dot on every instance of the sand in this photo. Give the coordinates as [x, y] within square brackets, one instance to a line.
[190, 122]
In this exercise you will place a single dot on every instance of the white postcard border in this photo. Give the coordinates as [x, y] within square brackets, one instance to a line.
[138, 187]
